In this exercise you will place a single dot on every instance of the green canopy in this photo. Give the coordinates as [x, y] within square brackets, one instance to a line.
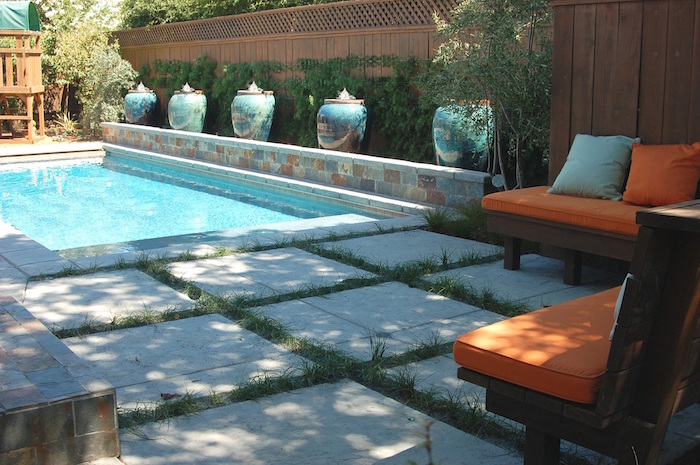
[19, 16]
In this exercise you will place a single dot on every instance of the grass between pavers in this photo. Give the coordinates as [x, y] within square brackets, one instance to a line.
[325, 364]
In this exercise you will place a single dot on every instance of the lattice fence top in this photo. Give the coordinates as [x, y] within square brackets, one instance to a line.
[330, 17]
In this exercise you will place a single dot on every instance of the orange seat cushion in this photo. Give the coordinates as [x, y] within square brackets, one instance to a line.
[560, 350]
[599, 214]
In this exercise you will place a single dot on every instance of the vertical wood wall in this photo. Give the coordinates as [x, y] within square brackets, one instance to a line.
[625, 67]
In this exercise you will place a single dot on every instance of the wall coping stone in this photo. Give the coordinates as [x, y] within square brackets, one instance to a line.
[456, 188]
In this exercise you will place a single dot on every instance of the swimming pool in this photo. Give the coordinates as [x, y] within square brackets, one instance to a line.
[122, 198]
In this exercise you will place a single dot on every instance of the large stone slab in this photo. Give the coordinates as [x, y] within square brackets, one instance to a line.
[390, 314]
[99, 297]
[332, 423]
[265, 273]
[538, 283]
[683, 434]
[416, 245]
[439, 375]
[198, 355]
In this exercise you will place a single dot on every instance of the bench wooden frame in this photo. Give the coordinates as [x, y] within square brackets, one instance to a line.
[575, 241]
[653, 368]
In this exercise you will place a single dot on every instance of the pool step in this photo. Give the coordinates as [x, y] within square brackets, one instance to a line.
[52, 409]
[47, 152]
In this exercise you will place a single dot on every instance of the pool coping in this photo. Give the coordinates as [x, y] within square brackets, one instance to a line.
[365, 200]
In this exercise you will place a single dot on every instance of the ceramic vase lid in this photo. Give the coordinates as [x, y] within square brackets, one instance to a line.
[345, 97]
[186, 89]
[140, 89]
[253, 89]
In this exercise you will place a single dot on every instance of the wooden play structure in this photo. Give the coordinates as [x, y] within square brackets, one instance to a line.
[20, 73]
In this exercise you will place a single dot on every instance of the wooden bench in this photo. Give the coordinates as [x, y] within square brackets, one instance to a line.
[650, 371]
[616, 241]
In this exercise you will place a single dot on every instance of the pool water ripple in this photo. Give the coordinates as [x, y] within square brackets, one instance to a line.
[65, 206]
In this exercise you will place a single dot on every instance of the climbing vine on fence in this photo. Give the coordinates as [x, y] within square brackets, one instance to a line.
[399, 120]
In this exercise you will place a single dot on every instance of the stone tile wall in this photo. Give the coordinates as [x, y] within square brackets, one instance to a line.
[52, 408]
[416, 182]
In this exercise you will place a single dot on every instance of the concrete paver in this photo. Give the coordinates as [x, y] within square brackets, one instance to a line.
[538, 283]
[683, 434]
[99, 297]
[200, 356]
[265, 273]
[331, 423]
[439, 375]
[391, 313]
[414, 245]
[13, 287]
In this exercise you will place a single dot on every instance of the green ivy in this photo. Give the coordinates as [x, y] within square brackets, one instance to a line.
[396, 115]
[401, 116]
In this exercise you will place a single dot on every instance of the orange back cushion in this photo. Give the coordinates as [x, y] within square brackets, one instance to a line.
[663, 174]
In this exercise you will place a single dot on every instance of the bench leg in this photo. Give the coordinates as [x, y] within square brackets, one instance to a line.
[540, 448]
[573, 262]
[511, 258]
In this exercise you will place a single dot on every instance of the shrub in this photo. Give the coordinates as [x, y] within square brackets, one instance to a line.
[107, 79]
[498, 51]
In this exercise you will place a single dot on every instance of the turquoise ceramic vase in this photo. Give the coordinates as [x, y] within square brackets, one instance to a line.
[460, 140]
[341, 123]
[187, 109]
[251, 113]
[140, 105]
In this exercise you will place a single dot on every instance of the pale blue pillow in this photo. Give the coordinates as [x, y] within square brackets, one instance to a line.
[595, 167]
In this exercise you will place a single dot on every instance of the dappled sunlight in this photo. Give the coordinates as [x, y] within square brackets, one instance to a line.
[389, 307]
[281, 270]
[72, 301]
[534, 343]
[549, 350]
[319, 425]
[350, 397]
[197, 353]
[292, 410]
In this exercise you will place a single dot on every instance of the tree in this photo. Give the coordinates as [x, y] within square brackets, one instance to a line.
[140, 13]
[107, 79]
[497, 50]
[75, 42]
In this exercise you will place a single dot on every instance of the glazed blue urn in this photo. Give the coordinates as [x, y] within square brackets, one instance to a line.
[187, 109]
[341, 123]
[461, 137]
[251, 113]
[140, 105]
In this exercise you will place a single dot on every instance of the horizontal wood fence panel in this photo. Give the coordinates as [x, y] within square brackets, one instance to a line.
[625, 67]
[331, 17]
[418, 43]
[363, 27]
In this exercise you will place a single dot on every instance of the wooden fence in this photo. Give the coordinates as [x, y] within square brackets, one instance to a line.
[627, 67]
[361, 27]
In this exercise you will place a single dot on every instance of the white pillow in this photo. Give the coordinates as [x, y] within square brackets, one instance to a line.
[618, 303]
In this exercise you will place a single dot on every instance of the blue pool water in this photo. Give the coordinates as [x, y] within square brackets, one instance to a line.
[124, 200]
